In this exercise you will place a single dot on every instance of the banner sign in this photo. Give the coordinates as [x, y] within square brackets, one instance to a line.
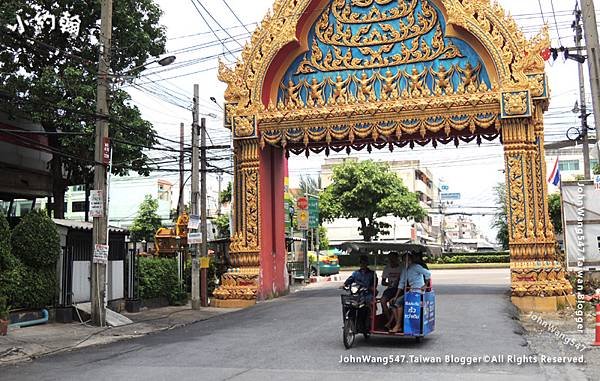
[96, 204]
[100, 254]
[428, 312]
[194, 238]
[412, 313]
[194, 222]
[450, 196]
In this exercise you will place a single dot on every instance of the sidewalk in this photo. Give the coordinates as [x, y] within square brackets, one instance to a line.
[25, 344]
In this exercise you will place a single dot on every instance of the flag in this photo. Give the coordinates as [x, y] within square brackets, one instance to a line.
[554, 177]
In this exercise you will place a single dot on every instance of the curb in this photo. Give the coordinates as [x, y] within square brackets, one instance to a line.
[331, 278]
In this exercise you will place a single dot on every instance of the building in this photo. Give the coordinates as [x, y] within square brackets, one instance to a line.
[24, 165]
[417, 179]
[570, 162]
[126, 196]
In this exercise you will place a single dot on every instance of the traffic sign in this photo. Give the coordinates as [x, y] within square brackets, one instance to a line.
[450, 196]
[303, 219]
[302, 203]
[313, 212]
[194, 238]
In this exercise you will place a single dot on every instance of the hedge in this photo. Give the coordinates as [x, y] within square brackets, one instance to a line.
[6, 258]
[502, 258]
[158, 278]
[29, 288]
[212, 275]
[35, 241]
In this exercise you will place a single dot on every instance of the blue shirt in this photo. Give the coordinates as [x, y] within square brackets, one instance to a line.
[365, 278]
[416, 275]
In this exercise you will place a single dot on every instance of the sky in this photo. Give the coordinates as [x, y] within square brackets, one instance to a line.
[164, 94]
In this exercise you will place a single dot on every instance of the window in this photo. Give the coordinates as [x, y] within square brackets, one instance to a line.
[78, 206]
[568, 165]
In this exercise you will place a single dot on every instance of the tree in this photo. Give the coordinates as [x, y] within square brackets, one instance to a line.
[35, 241]
[147, 221]
[554, 209]
[501, 217]
[367, 190]
[308, 185]
[597, 169]
[226, 194]
[222, 224]
[50, 77]
[323, 239]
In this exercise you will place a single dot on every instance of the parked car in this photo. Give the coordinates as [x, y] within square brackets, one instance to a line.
[328, 262]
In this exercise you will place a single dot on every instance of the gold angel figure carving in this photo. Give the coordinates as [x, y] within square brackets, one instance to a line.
[315, 92]
[365, 90]
[415, 82]
[389, 85]
[292, 93]
[442, 80]
[339, 91]
[470, 77]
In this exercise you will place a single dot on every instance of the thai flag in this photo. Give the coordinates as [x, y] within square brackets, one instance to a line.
[554, 177]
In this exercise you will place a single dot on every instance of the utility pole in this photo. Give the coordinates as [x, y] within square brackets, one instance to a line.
[181, 204]
[203, 216]
[593, 49]
[583, 115]
[195, 194]
[100, 225]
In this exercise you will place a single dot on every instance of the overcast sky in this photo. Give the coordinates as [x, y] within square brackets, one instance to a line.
[470, 170]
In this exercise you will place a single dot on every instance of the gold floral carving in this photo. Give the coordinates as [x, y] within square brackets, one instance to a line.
[344, 14]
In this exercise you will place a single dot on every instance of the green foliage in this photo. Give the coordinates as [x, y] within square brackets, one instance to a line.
[35, 241]
[158, 278]
[29, 288]
[6, 257]
[323, 239]
[596, 169]
[226, 194]
[474, 258]
[222, 224]
[501, 219]
[4, 309]
[554, 209]
[310, 185]
[51, 78]
[147, 221]
[368, 190]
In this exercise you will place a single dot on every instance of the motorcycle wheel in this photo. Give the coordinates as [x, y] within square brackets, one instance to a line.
[349, 333]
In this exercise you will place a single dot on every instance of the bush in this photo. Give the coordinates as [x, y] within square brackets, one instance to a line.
[502, 258]
[35, 241]
[29, 288]
[158, 278]
[6, 258]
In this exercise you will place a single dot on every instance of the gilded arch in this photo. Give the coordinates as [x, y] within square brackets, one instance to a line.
[321, 75]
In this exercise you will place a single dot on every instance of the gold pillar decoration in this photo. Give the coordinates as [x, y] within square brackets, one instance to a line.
[535, 270]
[239, 285]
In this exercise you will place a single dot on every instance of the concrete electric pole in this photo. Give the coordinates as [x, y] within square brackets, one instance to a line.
[583, 115]
[181, 203]
[195, 195]
[593, 49]
[203, 216]
[100, 226]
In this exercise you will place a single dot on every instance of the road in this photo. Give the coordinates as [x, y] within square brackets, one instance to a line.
[298, 337]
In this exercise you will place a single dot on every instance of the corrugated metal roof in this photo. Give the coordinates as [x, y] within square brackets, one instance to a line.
[82, 225]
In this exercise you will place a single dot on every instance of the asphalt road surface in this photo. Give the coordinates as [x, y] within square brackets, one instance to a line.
[298, 337]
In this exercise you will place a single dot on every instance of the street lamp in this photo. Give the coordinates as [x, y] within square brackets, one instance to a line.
[214, 100]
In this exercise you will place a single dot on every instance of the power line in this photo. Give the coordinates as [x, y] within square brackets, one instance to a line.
[235, 15]
[210, 27]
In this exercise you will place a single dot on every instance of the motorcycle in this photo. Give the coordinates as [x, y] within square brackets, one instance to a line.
[356, 314]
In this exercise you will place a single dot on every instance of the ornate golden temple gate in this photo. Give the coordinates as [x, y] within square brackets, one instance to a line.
[322, 75]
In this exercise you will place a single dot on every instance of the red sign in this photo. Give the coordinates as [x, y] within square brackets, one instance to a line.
[106, 151]
[302, 203]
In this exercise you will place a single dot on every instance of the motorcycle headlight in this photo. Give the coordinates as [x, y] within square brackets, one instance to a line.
[354, 289]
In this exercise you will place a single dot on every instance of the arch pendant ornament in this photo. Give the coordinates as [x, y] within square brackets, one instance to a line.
[322, 75]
